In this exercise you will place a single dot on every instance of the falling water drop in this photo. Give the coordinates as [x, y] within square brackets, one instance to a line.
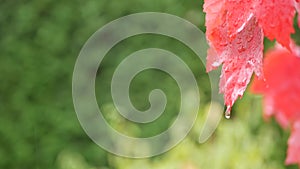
[227, 116]
[227, 112]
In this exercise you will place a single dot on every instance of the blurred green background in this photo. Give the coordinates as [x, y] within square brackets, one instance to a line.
[39, 43]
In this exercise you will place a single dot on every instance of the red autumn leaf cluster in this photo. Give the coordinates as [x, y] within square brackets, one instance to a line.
[235, 30]
[281, 90]
[280, 86]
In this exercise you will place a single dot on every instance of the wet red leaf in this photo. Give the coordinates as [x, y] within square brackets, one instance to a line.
[281, 86]
[234, 31]
[276, 18]
[242, 57]
[241, 54]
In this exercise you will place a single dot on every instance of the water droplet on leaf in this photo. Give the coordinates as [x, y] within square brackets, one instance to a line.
[227, 116]
[241, 48]
[239, 40]
[249, 39]
[235, 23]
[227, 112]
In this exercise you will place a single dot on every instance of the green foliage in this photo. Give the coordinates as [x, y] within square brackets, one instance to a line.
[40, 41]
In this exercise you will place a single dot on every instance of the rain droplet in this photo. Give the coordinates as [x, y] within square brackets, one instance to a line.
[223, 43]
[227, 112]
[241, 48]
[227, 116]
[232, 36]
[249, 39]
[250, 29]
[235, 23]
[239, 40]
[250, 62]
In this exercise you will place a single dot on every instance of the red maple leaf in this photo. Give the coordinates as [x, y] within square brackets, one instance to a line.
[234, 31]
[241, 58]
[276, 18]
[239, 52]
[281, 85]
[281, 91]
